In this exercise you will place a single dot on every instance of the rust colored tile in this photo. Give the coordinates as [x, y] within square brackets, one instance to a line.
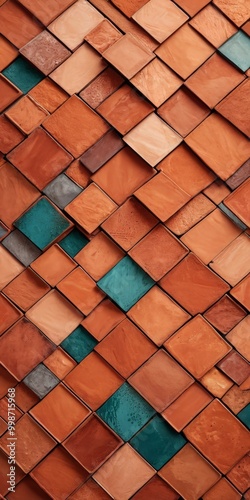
[4, 410]
[4, 470]
[48, 95]
[8, 52]
[60, 363]
[214, 80]
[189, 473]
[55, 316]
[193, 285]
[124, 473]
[156, 81]
[194, 211]
[53, 265]
[10, 136]
[184, 51]
[124, 109]
[216, 383]
[233, 263]
[236, 398]
[103, 36]
[6, 380]
[129, 223]
[187, 346]
[239, 475]
[235, 107]
[102, 151]
[225, 314]
[125, 348]
[235, 367]
[213, 25]
[45, 52]
[26, 114]
[93, 380]
[25, 398]
[40, 158]
[91, 208]
[8, 313]
[103, 319]
[240, 176]
[223, 490]
[246, 28]
[217, 191]
[28, 489]
[219, 436]
[238, 14]
[103, 86]
[156, 486]
[187, 406]
[90, 491]
[11, 15]
[222, 147]
[241, 292]
[3, 428]
[26, 289]
[238, 202]
[79, 69]
[76, 126]
[130, 7]
[78, 173]
[192, 8]
[157, 315]
[45, 12]
[99, 256]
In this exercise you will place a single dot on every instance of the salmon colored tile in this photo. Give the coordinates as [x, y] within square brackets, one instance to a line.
[75, 126]
[125, 348]
[219, 436]
[8, 312]
[238, 202]
[10, 136]
[233, 263]
[53, 265]
[8, 52]
[28, 489]
[197, 475]
[236, 398]
[102, 86]
[234, 107]
[45, 12]
[26, 289]
[12, 14]
[130, 7]
[193, 285]
[241, 292]
[99, 256]
[60, 363]
[25, 398]
[217, 191]
[213, 25]
[239, 474]
[4, 470]
[103, 36]
[235, 367]
[225, 314]
[78, 173]
[54, 316]
[216, 382]
[90, 491]
[194, 51]
[79, 69]
[124, 473]
[26, 114]
[222, 147]
[240, 176]
[156, 486]
[189, 215]
[123, 174]
[156, 81]
[222, 490]
[192, 8]
[45, 52]
[48, 95]
[103, 319]
[238, 15]
[6, 380]
[93, 380]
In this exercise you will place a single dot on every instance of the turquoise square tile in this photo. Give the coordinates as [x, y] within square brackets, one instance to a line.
[73, 242]
[244, 416]
[237, 50]
[126, 283]
[79, 344]
[126, 412]
[157, 442]
[42, 223]
[23, 74]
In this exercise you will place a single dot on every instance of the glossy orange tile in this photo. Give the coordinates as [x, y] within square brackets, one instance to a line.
[213, 25]
[48, 95]
[241, 292]
[26, 114]
[26, 289]
[102, 86]
[9, 313]
[53, 265]
[225, 314]
[238, 202]
[11, 15]
[103, 36]
[189, 215]
[103, 319]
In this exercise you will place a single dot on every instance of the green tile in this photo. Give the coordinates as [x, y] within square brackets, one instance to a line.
[126, 412]
[79, 344]
[42, 223]
[237, 50]
[23, 74]
[126, 283]
[157, 442]
[73, 242]
[244, 416]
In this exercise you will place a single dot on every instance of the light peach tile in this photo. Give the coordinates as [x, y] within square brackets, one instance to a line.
[233, 263]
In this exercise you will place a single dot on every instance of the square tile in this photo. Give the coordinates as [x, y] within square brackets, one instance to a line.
[220, 489]
[48, 95]
[237, 397]
[62, 190]
[9, 267]
[23, 74]
[239, 15]
[156, 486]
[213, 25]
[59, 363]
[89, 489]
[103, 36]
[225, 314]
[79, 344]
[78, 173]
[103, 319]
[235, 367]
[12, 14]
[26, 289]
[21, 247]
[101, 87]
[216, 382]
[236, 49]
[152, 139]
[53, 265]
[4, 470]
[41, 380]
[241, 292]
[46, 15]
[73, 242]
[238, 337]
[102, 151]
[28, 488]
[9, 93]
[234, 108]
[45, 52]
[10, 136]
[189, 215]
[7, 52]
[9, 313]
[26, 114]
[192, 8]
[217, 191]
[237, 201]
[233, 263]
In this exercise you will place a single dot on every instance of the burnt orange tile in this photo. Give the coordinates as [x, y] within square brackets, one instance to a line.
[28, 489]
[9, 313]
[103, 319]
[8, 52]
[239, 475]
[225, 314]
[157, 315]
[189, 215]
[246, 28]
[6, 381]
[25, 398]
[75, 126]
[3, 427]
[236, 398]
[26, 289]
[193, 285]
[156, 486]
[217, 191]
[78, 173]
[129, 8]
[26, 114]
[238, 15]
[222, 147]
[219, 436]
[222, 490]
[213, 25]
[46, 13]
[235, 367]
[192, 8]
[90, 491]
[216, 382]
[10, 136]
[241, 292]
[4, 470]
[194, 51]
[103, 86]
[48, 95]
[233, 263]
[103, 36]
[11, 15]
[93, 380]
[234, 107]
[53, 265]
[4, 410]
[238, 202]
[240, 176]
[60, 363]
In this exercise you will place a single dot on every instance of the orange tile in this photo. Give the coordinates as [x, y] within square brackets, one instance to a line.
[238, 337]
[29, 488]
[241, 292]
[12, 14]
[9, 313]
[225, 314]
[236, 398]
[6, 381]
[156, 486]
[91, 491]
[213, 25]
[10, 136]
[238, 15]
[235, 367]
[130, 7]
[222, 490]
[26, 114]
[78, 173]
[238, 202]
[25, 398]
[102, 86]
[48, 95]
[8, 52]
[103, 319]
[234, 107]
[189, 215]
[60, 363]
[239, 475]
[216, 382]
[103, 36]
[233, 263]
[192, 8]
[46, 13]
[26, 289]
[217, 191]
[53, 265]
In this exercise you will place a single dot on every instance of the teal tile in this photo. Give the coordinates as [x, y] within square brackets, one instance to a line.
[23, 74]
[79, 344]
[157, 442]
[42, 223]
[126, 412]
[126, 283]
[237, 50]
[244, 416]
[73, 242]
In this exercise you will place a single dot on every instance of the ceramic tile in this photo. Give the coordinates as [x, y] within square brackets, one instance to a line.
[53, 265]
[62, 191]
[239, 474]
[9, 313]
[9, 93]
[233, 263]
[236, 49]
[78, 173]
[216, 382]
[235, 367]
[236, 398]
[241, 292]
[103, 319]
[10, 135]
[238, 202]
[45, 52]
[240, 176]
[103, 36]
[25, 398]
[102, 151]
[7, 52]
[79, 344]
[6, 381]
[234, 107]
[225, 314]
[130, 7]
[41, 380]
[224, 490]
[12, 14]
[22, 74]
[217, 191]
[26, 114]
[73, 242]
[246, 28]
[156, 486]
[239, 15]
[59, 363]
[4, 470]
[192, 8]
[213, 25]
[189, 215]
[26, 289]
[46, 13]
[4, 410]
[91, 491]
[28, 488]
[48, 95]
[103, 86]
[22, 248]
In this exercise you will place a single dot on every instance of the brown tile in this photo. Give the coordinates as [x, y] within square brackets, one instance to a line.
[28, 489]
[103, 319]
[236, 398]
[3, 427]
[213, 25]
[93, 380]
[192, 8]
[9, 93]
[189, 215]
[46, 13]
[45, 52]
[40, 158]
[235, 367]
[124, 473]
[238, 202]
[217, 191]
[60, 363]
[193, 285]
[48, 95]
[25, 398]
[103, 36]
[102, 151]
[78, 173]
[184, 51]
[26, 289]
[234, 107]
[130, 7]
[222, 147]
[9, 313]
[233, 263]
[225, 314]
[12, 15]
[241, 292]
[4, 410]
[238, 15]
[240, 176]
[103, 86]
[8, 52]
[10, 136]
[239, 475]
[26, 114]
[216, 382]
[156, 486]
[223, 490]
[53, 265]
[196, 477]
[246, 28]
[76, 126]
[90, 491]
[219, 436]
[239, 337]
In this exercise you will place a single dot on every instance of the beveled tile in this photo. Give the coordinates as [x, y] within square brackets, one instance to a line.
[103, 36]
[233, 263]
[238, 202]
[26, 289]
[53, 265]
[11, 15]
[235, 367]
[241, 292]
[79, 344]
[26, 114]
[73, 242]
[225, 314]
[102, 86]
[189, 215]
[6, 381]
[45, 52]
[9, 93]
[9, 313]
[213, 25]
[103, 319]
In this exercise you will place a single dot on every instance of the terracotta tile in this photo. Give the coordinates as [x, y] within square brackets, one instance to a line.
[3, 427]
[26, 114]
[48, 95]
[156, 486]
[4, 470]
[46, 13]
[10, 136]
[103, 36]
[187, 406]
[241, 292]
[53, 265]
[4, 410]
[70, 475]
[75, 126]
[239, 475]
[11, 15]
[128, 55]
[55, 316]
[26, 289]
[225, 314]
[156, 81]
[213, 25]
[60, 363]
[93, 380]
[9, 93]
[103, 319]
[216, 382]
[78, 173]
[189, 215]
[9, 313]
[192, 8]
[103, 86]
[152, 139]
[236, 398]
[194, 51]
[238, 15]
[223, 490]
[8, 52]
[124, 473]
[219, 436]
[240, 176]
[102, 151]
[233, 263]
[28, 488]
[246, 28]
[214, 80]
[79, 69]
[193, 285]
[130, 7]
[238, 202]
[25, 398]
[162, 196]
[6, 381]
[235, 367]
[234, 107]
[217, 191]
[90, 491]
[72, 26]
[45, 52]
[221, 146]
[197, 474]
